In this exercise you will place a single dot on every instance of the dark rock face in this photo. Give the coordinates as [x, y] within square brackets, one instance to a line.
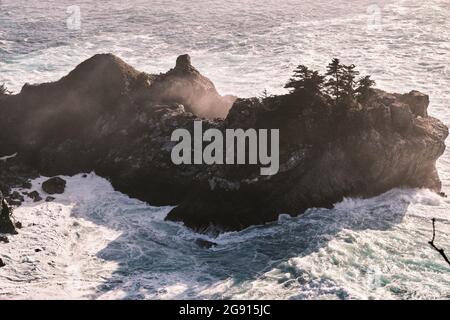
[35, 196]
[106, 117]
[54, 185]
[6, 225]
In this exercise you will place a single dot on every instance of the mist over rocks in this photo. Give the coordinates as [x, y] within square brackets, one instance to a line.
[107, 117]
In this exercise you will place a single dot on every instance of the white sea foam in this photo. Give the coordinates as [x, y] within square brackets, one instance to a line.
[94, 242]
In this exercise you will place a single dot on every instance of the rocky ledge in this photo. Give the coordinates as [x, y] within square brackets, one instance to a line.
[107, 117]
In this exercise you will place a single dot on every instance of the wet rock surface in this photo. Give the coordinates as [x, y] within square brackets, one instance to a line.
[55, 185]
[6, 224]
[34, 195]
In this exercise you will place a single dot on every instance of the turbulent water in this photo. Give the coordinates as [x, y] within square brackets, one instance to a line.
[93, 242]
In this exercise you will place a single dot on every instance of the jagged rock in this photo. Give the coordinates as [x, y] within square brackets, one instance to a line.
[107, 117]
[402, 117]
[13, 202]
[16, 198]
[54, 185]
[6, 225]
[14, 172]
[417, 102]
[49, 199]
[186, 85]
[35, 196]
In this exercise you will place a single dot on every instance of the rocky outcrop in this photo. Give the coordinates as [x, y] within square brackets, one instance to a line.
[6, 225]
[54, 185]
[187, 86]
[107, 117]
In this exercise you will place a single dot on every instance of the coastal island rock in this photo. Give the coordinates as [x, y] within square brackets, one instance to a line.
[107, 117]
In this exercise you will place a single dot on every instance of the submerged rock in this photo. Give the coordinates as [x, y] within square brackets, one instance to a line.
[107, 117]
[205, 244]
[54, 185]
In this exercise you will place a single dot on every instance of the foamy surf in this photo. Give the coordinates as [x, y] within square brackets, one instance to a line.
[94, 242]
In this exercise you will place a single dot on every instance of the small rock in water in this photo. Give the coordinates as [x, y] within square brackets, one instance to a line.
[4, 239]
[54, 185]
[26, 185]
[35, 196]
[17, 196]
[202, 243]
[2, 264]
[49, 199]
[13, 202]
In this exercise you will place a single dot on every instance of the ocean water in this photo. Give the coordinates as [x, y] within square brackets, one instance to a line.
[94, 242]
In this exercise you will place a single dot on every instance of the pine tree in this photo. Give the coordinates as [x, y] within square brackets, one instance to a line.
[364, 86]
[348, 79]
[335, 83]
[264, 95]
[305, 82]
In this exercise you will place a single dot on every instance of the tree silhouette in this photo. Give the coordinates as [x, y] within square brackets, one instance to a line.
[265, 94]
[364, 86]
[305, 82]
[348, 80]
[431, 242]
[335, 72]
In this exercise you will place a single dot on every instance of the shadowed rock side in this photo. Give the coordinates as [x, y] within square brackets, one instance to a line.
[6, 225]
[108, 117]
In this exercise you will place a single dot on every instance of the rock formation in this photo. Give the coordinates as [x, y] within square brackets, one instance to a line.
[54, 185]
[6, 225]
[108, 117]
